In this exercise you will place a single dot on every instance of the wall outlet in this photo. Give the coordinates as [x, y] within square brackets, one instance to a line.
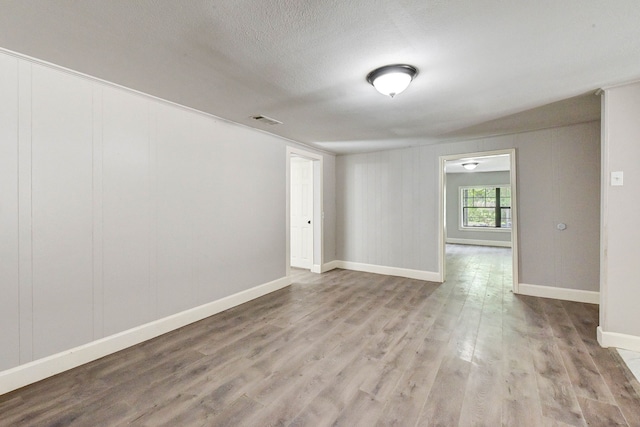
[617, 178]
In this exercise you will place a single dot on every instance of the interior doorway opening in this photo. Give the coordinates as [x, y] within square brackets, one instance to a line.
[478, 204]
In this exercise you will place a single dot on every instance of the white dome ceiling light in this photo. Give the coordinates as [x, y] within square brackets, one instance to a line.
[391, 80]
[470, 166]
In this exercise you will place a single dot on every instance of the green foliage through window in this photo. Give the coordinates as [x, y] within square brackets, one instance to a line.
[486, 207]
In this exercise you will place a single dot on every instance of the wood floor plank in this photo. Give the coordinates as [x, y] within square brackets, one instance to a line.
[364, 410]
[382, 381]
[85, 417]
[237, 413]
[405, 404]
[325, 408]
[445, 399]
[207, 398]
[481, 404]
[300, 390]
[600, 413]
[521, 404]
[557, 396]
[583, 373]
[444, 402]
[621, 382]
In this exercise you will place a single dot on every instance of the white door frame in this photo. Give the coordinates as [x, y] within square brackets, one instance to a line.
[514, 208]
[318, 209]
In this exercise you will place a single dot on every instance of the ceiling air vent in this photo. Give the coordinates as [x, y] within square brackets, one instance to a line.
[266, 120]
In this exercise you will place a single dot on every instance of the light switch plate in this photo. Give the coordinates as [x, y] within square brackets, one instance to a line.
[617, 178]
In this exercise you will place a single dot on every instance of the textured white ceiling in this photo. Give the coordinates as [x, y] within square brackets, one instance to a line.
[483, 63]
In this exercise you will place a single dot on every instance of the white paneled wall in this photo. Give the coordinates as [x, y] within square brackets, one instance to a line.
[9, 243]
[61, 210]
[177, 146]
[387, 205]
[118, 209]
[382, 218]
[126, 209]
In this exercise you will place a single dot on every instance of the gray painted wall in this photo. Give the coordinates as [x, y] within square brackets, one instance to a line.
[621, 234]
[387, 204]
[118, 209]
[457, 180]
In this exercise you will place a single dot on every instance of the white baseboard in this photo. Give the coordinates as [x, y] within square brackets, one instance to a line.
[331, 265]
[477, 242]
[40, 369]
[576, 295]
[617, 340]
[389, 271]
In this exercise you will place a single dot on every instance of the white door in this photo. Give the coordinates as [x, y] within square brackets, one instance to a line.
[301, 212]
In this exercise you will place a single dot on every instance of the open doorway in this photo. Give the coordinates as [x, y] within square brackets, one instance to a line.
[304, 210]
[478, 204]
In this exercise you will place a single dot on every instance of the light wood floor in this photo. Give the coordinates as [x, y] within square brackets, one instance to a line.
[358, 349]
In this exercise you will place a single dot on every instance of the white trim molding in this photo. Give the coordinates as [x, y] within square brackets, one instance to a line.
[40, 369]
[477, 242]
[576, 295]
[429, 276]
[331, 265]
[617, 340]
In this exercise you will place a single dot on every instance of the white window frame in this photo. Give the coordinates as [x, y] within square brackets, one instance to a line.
[461, 227]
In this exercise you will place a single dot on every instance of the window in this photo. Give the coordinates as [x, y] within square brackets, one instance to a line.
[486, 207]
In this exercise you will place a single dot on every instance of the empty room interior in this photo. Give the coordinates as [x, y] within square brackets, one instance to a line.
[261, 213]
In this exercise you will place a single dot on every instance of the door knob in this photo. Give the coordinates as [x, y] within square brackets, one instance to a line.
[309, 222]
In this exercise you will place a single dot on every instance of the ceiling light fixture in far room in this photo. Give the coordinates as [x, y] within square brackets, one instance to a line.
[391, 80]
[470, 165]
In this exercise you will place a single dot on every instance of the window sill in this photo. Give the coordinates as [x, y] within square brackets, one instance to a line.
[485, 229]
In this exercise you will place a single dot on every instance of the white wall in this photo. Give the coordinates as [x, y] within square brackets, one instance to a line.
[384, 215]
[9, 242]
[387, 205]
[457, 180]
[61, 209]
[620, 316]
[329, 206]
[118, 209]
